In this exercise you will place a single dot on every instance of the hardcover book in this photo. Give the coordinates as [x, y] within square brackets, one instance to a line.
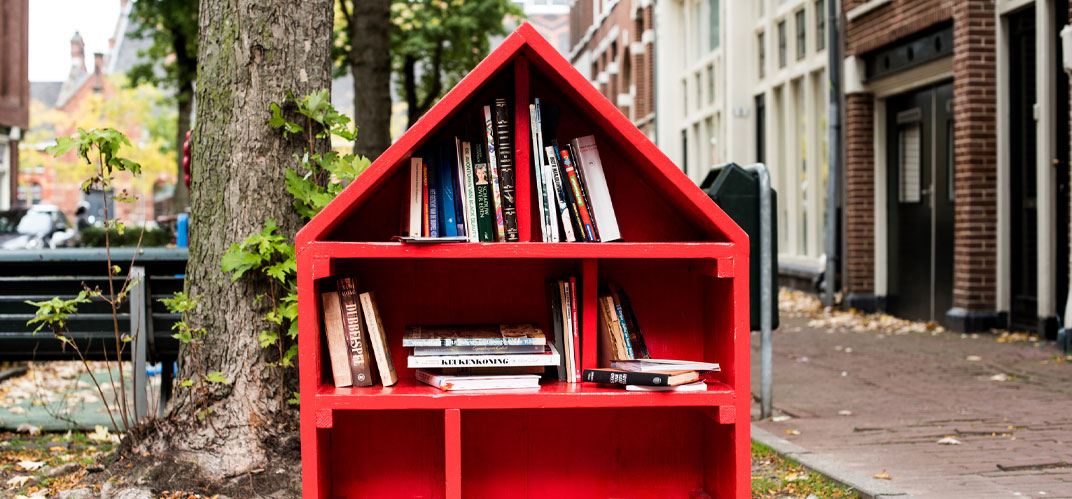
[561, 200]
[505, 145]
[361, 372]
[695, 386]
[424, 206]
[471, 222]
[416, 195]
[433, 201]
[448, 221]
[663, 365]
[486, 335]
[598, 193]
[493, 169]
[549, 357]
[338, 350]
[618, 377]
[477, 350]
[447, 382]
[485, 224]
[378, 339]
[460, 195]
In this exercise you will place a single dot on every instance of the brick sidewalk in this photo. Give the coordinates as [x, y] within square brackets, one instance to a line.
[906, 391]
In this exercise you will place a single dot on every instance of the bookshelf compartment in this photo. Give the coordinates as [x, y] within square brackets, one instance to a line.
[386, 454]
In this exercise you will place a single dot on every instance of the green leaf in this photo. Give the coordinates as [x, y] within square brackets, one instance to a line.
[295, 399]
[186, 383]
[267, 338]
[216, 377]
[238, 261]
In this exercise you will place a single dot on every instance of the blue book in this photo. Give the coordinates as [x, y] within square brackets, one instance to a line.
[448, 217]
[433, 197]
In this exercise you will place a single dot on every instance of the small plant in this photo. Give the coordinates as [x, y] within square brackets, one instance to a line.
[193, 338]
[314, 180]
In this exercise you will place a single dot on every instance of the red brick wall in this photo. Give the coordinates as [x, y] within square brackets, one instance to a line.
[14, 64]
[975, 151]
[859, 194]
[891, 22]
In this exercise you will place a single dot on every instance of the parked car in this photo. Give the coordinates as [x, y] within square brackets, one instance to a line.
[39, 226]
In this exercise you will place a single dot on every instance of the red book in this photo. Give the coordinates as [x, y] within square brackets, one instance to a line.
[424, 205]
[576, 329]
[578, 195]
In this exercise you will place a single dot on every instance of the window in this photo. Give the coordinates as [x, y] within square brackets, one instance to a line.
[711, 84]
[781, 44]
[761, 127]
[802, 48]
[713, 28]
[820, 24]
[909, 164]
[698, 35]
[699, 89]
[762, 55]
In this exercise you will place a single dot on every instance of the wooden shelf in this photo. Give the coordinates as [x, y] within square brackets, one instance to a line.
[411, 394]
[522, 250]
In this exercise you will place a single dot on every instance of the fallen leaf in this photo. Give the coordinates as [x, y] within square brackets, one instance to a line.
[973, 358]
[948, 441]
[792, 477]
[17, 410]
[101, 434]
[844, 412]
[792, 432]
[779, 419]
[883, 476]
[999, 377]
[28, 428]
[30, 465]
[17, 481]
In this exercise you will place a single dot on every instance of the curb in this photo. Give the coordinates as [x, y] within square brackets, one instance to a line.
[865, 486]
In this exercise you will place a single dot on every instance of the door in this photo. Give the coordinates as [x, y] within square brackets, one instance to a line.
[920, 200]
[1023, 239]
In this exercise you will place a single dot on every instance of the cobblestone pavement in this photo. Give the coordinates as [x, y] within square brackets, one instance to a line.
[878, 397]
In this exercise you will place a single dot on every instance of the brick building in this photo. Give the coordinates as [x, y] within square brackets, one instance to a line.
[612, 44]
[14, 93]
[942, 156]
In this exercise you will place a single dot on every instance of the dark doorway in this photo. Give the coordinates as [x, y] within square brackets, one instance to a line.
[1023, 237]
[761, 128]
[920, 200]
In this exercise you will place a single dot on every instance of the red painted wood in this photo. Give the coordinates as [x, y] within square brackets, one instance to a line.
[452, 442]
[678, 266]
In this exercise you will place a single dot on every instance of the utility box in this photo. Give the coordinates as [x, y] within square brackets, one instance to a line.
[736, 191]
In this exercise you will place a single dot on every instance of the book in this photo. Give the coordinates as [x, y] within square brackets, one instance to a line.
[567, 332]
[587, 155]
[424, 206]
[608, 348]
[619, 327]
[458, 170]
[485, 226]
[663, 365]
[537, 177]
[378, 339]
[619, 377]
[477, 382]
[477, 349]
[448, 221]
[338, 350]
[560, 195]
[549, 357]
[566, 161]
[431, 240]
[433, 200]
[695, 386]
[629, 324]
[583, 182]
[481, 335]
[554, 298]
[576, 354]
[416, 196]
[493, 169]
[621, 351]
[568, 196]
[548, 199]
[489, 371]
[505, 145]
[361, 372]
[471, 222]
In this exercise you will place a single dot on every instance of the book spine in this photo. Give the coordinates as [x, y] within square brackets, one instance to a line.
[636, 336]
[483, 196]
[472, 224]
[576, 330]
[587, 155]
[505, 145]
[554, 299]
[470, 342]
[624, 327]
[571, 200]
[360, 360]
[427, 378]
[433, 200]
[478, 350]
[338, 350]
[578, 195]
[378, 339]
[537, 176]
[625, 378]
[545, 176]
[583, 182]
[567, 329]
[415, 195]
[493, 169]
[483, 360]
[560, 195]
[424, 194]
[448, 223]
[460, 195]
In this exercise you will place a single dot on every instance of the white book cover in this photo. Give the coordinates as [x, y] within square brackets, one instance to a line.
[416, 196]
[462, 191]
[545, 231]
[478, 382]
[545, 175]
[550, 357]
[695, 386]
[560, 195]
[663, 365]
[470, 194]
[598, 193]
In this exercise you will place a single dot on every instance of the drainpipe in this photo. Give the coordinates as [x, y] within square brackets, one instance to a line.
[766, 294]
[833, 149]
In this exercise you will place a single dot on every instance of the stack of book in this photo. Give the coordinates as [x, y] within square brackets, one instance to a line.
[652, 375]
[464, 191]
[479, 357]
[562, 295]
[356, 338]
[620, 336]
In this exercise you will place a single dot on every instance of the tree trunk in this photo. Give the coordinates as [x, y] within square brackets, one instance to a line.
[181, 198]
[251, 52]
[370, 63]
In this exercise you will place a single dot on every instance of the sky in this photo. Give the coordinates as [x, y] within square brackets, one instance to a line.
[53, 23]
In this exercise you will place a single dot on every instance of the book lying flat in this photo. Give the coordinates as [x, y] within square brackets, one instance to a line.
[618, 377]
[486, 335]
[478, 350]
[662, 365]
[695, 386]
[549, 357]
[478, 382]
[428, 240]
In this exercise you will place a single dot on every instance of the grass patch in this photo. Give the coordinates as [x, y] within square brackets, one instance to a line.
[775, 477]
[32, 458]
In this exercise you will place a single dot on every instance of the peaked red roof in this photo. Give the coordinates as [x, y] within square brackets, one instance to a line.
[671, 183]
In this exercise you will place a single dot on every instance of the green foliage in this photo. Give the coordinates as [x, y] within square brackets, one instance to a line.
[54, 313]
[171, 60]
[93, 237]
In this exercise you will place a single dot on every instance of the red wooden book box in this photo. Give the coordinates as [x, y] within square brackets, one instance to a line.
[683, 262]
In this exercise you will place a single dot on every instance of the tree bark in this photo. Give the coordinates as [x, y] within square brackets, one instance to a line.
[251, 52]
[370, 64]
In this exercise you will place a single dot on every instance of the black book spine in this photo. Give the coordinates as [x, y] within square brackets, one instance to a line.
[614, 377]
[571, 200]
[507, 178]
[584, 187]
[555, 299]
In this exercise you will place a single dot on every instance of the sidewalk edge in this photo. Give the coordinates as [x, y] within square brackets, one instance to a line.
[865, 486]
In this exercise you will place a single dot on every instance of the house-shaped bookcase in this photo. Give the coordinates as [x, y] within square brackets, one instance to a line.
[683, 262]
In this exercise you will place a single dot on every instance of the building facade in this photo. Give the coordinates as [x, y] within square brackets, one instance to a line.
[612, 44]
[746, 82]
[14, 93]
